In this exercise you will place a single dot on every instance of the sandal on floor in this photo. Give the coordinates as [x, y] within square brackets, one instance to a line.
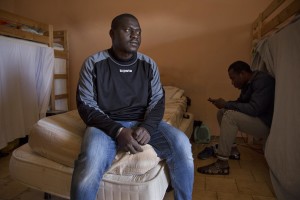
[214, 169]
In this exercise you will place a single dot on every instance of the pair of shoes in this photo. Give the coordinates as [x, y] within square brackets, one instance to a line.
[214, 169]
[206, 153]
[212, 151]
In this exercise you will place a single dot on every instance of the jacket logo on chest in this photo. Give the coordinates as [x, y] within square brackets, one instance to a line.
[125, 70]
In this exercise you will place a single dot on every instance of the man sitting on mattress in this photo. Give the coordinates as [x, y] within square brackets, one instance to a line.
[251, 113]
[121, 100]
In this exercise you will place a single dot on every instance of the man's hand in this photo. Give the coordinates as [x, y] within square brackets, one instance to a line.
[219, 103]
[141, 135]
[127, 143]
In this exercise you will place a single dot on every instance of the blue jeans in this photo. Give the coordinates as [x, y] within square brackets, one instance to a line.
[98, 151]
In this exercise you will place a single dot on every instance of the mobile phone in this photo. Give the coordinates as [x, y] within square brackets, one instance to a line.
[210, 100]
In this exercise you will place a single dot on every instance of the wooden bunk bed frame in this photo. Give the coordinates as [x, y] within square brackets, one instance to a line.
[261, 26]
[61, 37]
[11, 25]
[278, 12]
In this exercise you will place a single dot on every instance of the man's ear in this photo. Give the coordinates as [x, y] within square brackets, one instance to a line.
[111, 33]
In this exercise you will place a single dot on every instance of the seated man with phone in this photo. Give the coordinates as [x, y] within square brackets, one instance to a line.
[251, 113]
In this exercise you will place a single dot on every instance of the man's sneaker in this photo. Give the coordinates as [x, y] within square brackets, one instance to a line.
[212, 151]
[206, 153]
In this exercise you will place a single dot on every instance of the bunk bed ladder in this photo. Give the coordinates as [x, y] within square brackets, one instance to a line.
[62, 38]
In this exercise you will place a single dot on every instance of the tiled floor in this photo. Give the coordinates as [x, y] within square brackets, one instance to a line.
[248, 180]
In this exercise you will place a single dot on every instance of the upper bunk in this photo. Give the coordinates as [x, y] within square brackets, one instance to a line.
[276, 16]
[60, 44]
[16, 26]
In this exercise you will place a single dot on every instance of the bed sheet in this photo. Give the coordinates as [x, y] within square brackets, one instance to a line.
[26, 70]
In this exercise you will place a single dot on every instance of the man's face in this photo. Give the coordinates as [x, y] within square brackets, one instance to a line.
[237, 79]
[126, 38]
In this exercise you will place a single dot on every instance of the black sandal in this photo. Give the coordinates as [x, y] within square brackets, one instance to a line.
[214, 169]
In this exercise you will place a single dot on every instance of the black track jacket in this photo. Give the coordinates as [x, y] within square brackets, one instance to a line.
[111, 90]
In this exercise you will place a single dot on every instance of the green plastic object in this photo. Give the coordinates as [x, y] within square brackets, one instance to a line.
[201, 134]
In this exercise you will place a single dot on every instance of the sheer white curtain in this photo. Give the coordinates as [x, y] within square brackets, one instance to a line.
[280, 55]
[26, 70]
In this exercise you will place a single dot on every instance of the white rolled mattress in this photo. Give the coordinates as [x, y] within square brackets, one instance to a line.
[46, 163]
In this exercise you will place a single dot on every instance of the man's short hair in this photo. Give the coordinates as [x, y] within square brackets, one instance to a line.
[239, 66]
[118, 19]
